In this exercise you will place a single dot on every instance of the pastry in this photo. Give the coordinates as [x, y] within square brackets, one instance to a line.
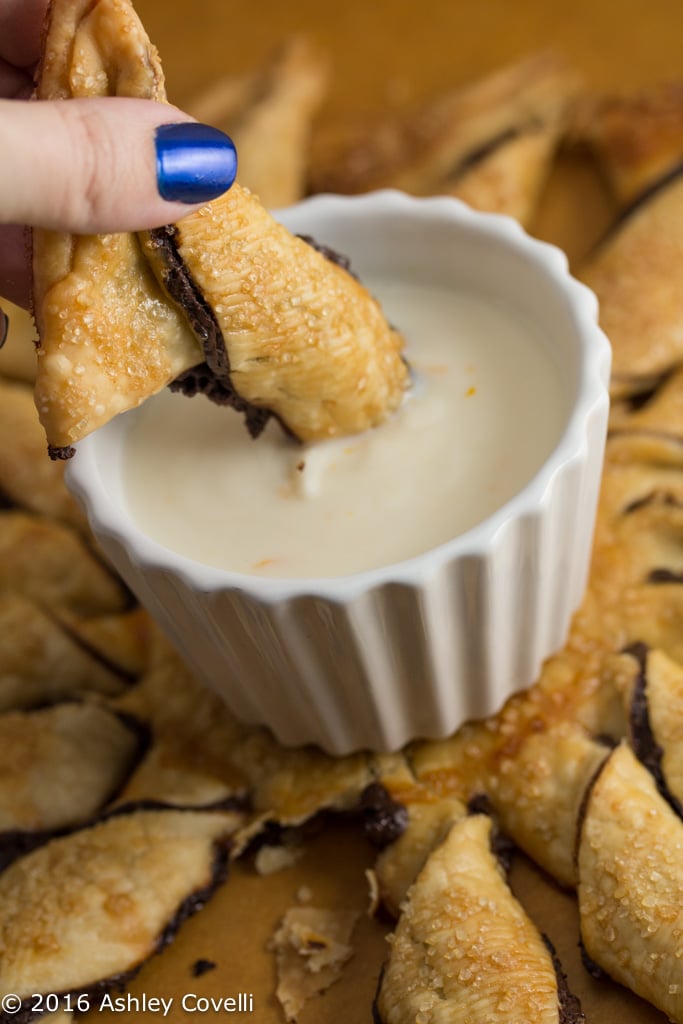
[630, 878]
[311, 947]
[510, 178]
[652, 691]
[50, 564]
[538, 798]
[265, 322]
[638, 138]
[268, 115]
[41, 663]
[633, 274]
[61, 764]
[428, 823]
[147, 871]
[464, 949]
[29, 480]
[428, 150]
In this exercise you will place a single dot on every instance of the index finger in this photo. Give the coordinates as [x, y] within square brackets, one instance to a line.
[21, 23]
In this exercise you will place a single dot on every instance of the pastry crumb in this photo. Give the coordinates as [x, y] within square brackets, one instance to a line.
[271, 859]
[311, 947]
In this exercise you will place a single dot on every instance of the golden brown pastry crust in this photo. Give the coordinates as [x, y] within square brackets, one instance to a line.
[636, 277]
[27, 478]
[268, 115]
[510, 179]
[291, 333]
[304, 339]
[650, 686]
[397, 867]
[108, 335]
[50, 564]
[41, 663]
[421, 151]
[538, 797]
[141, 868]
[60, 765]
[630, 882]
[464, 949]
[638, 137]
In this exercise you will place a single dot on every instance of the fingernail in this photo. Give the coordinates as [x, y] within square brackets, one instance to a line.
[195, 163]
[4, 327]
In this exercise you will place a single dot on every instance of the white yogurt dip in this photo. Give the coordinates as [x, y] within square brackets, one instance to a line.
[487, 410]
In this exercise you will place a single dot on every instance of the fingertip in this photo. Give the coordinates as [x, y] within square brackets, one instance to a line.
[195, 162]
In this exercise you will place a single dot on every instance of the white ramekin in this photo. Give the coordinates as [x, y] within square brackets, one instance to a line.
[378, 658]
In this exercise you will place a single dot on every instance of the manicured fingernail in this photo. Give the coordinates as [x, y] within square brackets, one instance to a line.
[4, 327]
[195, 163]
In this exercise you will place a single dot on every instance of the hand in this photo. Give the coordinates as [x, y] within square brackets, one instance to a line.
[90, 165]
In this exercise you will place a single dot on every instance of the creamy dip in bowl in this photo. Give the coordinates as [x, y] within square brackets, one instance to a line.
[387, 586]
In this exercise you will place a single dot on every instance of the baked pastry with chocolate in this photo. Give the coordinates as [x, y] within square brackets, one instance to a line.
[464, 948]
[268, 115]
[630, 882]
[638, 138]
[635, 274]
[274, 327]
[489, 142]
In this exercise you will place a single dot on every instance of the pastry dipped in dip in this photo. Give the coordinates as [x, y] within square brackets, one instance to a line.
[266, 322]
[486, 411]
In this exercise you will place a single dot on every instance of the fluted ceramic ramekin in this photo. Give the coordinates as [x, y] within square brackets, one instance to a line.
[412, 650]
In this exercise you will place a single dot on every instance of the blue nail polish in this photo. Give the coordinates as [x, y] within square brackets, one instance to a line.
[195, 163]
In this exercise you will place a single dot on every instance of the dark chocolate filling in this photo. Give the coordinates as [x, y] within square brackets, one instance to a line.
[212, 377]
[376, 1017]
[641, 200]
[595, 970]
[645, 746]
[569, 1004]
[665, 576]
[5, 501]
[384, 819]
[652, 498]
[583, 809]
[15, 843]
[486, 149]
[59, 454]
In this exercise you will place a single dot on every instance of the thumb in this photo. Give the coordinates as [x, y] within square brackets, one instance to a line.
[104, 165]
